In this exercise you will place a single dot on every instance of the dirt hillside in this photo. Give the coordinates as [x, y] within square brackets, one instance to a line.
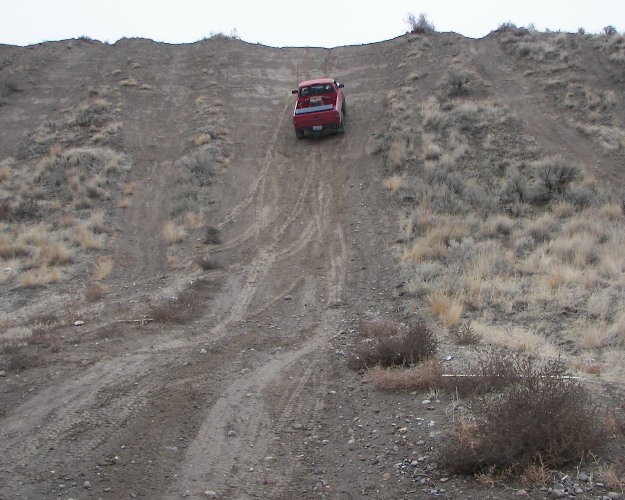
[183, 279]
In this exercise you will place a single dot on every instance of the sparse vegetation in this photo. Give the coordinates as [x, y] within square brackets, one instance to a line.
[419, 25]
[389, 343]
[173, 233]
[541, 418]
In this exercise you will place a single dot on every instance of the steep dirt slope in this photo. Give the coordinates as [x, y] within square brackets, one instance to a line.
[242, 388]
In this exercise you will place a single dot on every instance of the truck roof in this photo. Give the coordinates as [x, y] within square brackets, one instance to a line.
[316, 81]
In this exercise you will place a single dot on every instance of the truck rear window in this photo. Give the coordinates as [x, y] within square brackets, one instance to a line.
[316, 90]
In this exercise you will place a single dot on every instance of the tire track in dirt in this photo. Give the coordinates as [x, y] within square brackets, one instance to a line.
[92, 408]
[239, 429]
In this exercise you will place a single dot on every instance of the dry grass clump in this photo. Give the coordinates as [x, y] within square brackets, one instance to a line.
[390, 343]
[83, 237]
[516, 338]
[103, 267]
[465, 335]
[447, 309]
[128, 82]
[41, 276]
[394, 183]
[201, 139]
[421, 377]
[194, 220]
[610, 137]
[95, 292]
[173, 232]
[206, 263]
[540, 418]
[396, 156]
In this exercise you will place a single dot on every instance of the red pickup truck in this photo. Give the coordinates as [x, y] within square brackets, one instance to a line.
[320, 107]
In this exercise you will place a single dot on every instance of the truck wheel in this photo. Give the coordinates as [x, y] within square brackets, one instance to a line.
[344, 107]
[341, 129]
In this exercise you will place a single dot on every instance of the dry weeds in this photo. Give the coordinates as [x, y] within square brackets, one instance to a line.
[173, 233]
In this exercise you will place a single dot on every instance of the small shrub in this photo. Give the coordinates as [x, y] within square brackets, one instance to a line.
[465, 335]
[128, 82]
[206, 263]
[172, 232]
[396, 155]
[103, 267]
[420, 24]
[422, 377]
[543, 418]
[39, 277]
[8, 87]
[201, 139]
[212, 236]
[457, 82]
[395, 344]
[169, 313]
[394, 183]
[95, 292]
[448, 310]
[554, 176]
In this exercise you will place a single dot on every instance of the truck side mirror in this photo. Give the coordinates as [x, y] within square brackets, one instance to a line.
[294, 91]
[340, 85]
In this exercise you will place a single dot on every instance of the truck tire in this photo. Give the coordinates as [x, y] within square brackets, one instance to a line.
[299, 134]
[344, 107]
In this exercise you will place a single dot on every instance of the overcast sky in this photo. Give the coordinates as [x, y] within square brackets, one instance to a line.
[282, 23]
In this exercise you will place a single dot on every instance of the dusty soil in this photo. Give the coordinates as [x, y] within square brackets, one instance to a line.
[248, 395]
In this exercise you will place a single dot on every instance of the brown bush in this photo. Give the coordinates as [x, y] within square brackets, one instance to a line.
[465, 335]
[422, 377]
[543, 418]
[393, 344]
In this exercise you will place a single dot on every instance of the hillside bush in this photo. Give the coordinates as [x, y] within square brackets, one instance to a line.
[420, 24]
[390, 343]
[556, 174]
[541, 417]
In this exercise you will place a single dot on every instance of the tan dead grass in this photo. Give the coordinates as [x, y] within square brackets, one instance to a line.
[95, 292]
[394, 183]
[129, 188]
[128, 82]
[396, 154]
[201, 139]
[422, 377]
[5, 173]
[194, 220]
[172, 232]
[83, 237]
[423, 249]
[54, 253]
[173, 262]
[103, 267]
[516, 338]
[431, 150]
[448, 309]
[124, 202]
[560, 276]
[97, 223]
[41, 276]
